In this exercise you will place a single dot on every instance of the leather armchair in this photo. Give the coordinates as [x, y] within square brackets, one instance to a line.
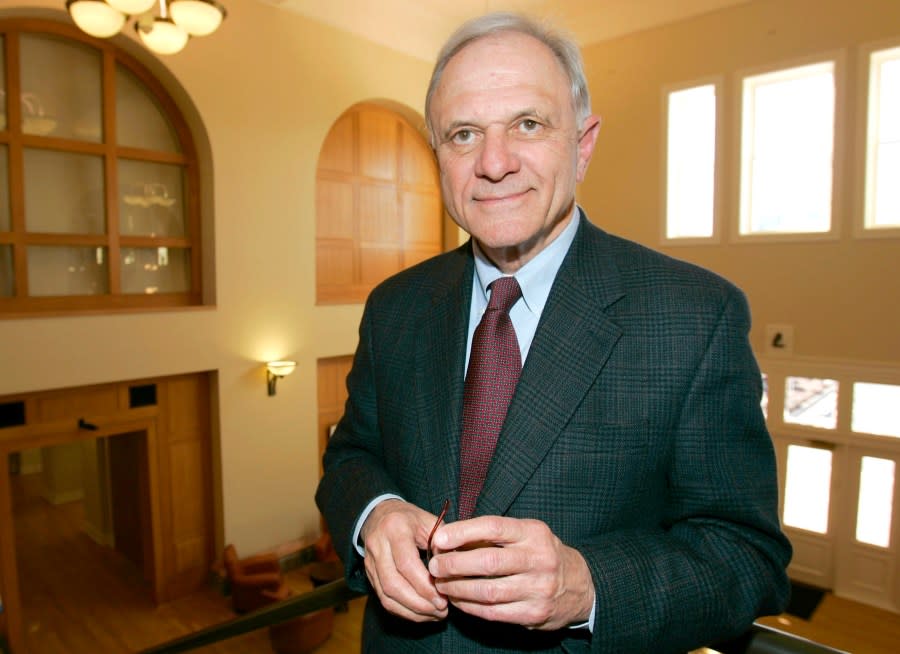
[255, 581]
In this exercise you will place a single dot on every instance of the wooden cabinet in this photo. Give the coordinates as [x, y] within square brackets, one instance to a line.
[160, 473]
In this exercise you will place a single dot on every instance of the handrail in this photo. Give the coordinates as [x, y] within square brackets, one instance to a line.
[759, 639]
[327, 595]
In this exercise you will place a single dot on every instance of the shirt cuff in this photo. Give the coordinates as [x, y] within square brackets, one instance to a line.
[365, 514]
[589, 624]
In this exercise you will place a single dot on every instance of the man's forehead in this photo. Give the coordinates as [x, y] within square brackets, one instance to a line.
[488, 52]
[498, 65]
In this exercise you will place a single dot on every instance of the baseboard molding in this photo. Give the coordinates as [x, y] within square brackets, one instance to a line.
[62, 497]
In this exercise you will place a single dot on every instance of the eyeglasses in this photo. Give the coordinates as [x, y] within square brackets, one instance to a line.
[437, 524]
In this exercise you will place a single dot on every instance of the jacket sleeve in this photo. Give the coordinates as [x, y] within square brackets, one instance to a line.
[717, 561]
[353, 469]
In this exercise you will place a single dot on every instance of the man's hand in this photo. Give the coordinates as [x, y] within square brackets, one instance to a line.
[393, 534]
[512, 570]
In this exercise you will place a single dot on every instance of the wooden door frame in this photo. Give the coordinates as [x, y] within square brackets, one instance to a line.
[60, 433]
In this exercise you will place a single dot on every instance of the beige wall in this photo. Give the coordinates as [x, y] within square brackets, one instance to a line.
[840, 296]
[268, 86]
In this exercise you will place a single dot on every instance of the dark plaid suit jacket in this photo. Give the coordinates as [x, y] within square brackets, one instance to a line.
[635, 433]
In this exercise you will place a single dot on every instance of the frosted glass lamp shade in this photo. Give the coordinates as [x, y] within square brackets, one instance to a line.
[275, 370]
[281, 368]
[133, 7]
[162, 36]
[95, 17]
[197, 17]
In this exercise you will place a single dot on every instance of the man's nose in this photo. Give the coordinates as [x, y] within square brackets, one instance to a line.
[498, 157]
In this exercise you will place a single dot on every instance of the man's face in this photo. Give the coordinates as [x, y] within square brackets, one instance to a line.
[508, 147]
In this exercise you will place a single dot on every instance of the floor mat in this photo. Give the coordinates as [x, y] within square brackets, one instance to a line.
[804, 600]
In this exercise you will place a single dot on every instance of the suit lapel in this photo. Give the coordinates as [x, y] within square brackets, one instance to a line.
[440, 358]
[571, 345]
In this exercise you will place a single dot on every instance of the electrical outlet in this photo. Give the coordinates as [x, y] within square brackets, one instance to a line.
[779, 340]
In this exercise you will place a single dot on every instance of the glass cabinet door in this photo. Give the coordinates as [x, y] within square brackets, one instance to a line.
[7, 279]
[151, 199]
[61, 89]
[147, 126]
[5, 223]
[64, 193]
[60, 271]
[156, 270]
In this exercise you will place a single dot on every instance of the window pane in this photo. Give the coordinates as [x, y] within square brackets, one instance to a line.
[787, 151]
[61, 88]
[156, 270]
[811, 402]
[67, 271]
[807, 489]
[690, 164]
[75, 205]
[147, 126]
[883, 167]
[875, 409]
[5, 224]
[876, 501]
[7, 281]
[151, 199]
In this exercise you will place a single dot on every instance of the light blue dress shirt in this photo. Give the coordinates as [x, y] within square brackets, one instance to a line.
[535, 279]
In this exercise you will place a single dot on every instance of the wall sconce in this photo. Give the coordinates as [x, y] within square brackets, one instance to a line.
[277, 369]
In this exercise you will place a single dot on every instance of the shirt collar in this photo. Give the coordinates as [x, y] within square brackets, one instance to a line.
[535, 277]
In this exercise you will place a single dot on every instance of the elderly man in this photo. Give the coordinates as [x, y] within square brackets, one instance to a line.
[586, 410]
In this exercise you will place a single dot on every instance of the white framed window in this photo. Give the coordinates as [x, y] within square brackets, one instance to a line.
[788, 152]
[691, 126]
[875, 409]
[811, 401]
[881, 214]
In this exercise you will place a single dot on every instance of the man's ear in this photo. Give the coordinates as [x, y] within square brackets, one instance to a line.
[586, 141]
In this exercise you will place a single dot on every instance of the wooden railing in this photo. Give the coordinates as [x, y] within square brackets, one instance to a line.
[332, 594]
[758, 639]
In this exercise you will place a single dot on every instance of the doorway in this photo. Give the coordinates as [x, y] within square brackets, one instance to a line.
[836, 434]
[157, 518]
[69, 516]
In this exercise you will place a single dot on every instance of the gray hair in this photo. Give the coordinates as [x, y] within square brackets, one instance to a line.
[563, 48]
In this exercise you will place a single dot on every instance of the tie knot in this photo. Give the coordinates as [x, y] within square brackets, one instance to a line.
[504, 293]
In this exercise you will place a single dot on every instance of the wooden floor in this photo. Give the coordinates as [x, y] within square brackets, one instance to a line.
[81, 597]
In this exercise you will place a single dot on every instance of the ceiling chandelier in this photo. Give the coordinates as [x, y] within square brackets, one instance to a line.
[166, 33]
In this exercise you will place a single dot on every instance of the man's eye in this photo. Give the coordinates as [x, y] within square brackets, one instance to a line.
[529, 125]
[462, 137]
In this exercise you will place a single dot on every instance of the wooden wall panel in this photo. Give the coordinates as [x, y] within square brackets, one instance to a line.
[331, 381]
[189, 516]
[419, 228]
[417, 162]
[335, 265]
[378, 215]
[377, 180]
[335, 209]
[378, 144]
[378, 263]
[338, 151]
[184, 454]
[98, 401]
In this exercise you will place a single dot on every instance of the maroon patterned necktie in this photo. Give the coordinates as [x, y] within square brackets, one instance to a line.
[494, 366]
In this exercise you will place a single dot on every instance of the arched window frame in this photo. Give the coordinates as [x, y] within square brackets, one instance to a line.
[21, 304]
